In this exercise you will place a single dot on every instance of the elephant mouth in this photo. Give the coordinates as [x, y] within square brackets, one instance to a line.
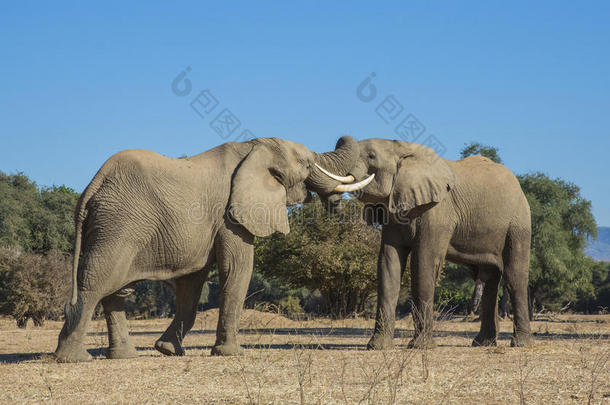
[348, 183]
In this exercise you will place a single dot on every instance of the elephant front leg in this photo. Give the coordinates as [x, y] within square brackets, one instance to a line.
[120, 345]
[389, 270]
[235, 256]
[188, 291]
[425, 267]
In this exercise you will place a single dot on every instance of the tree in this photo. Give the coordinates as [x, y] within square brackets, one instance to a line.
[36, 219]
[336, 255]
[599, 301]
[19, 200]
[36, 238]
[561, 223]
[60, 203]
[475, 148]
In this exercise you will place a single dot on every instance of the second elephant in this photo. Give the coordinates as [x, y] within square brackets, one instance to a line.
[470, 212]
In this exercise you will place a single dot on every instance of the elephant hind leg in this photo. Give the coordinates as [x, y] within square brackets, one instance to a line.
[488, 333]
[70, 345]
[101, 273]
[516, 274]
[188, 291]
[120, 345]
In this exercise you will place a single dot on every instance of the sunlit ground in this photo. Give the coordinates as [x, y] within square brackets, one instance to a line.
[320, 361]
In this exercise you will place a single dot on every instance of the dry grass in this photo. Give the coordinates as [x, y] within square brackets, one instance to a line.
[319, 361]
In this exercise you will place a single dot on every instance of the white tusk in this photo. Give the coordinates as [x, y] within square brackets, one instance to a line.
[347, 188]
[342, 179]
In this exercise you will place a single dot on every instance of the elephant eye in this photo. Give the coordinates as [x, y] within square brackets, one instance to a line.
[372, 155]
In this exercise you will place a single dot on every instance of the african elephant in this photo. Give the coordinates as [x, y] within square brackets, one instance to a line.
[146, 216]
[471, 212]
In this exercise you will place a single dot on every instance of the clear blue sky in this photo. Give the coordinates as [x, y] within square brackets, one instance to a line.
[79, 83]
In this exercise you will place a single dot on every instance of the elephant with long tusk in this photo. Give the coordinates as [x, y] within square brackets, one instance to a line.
[146, 216]
[470, 212]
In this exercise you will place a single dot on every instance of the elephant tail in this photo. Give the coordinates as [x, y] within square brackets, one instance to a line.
[80, 214]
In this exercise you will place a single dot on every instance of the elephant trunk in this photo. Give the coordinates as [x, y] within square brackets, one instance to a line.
[338, 162]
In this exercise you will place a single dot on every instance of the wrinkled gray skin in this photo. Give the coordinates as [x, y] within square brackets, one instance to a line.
[146, 216]
[471, 212]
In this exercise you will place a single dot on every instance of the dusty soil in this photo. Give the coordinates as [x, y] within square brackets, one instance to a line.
[320, 361]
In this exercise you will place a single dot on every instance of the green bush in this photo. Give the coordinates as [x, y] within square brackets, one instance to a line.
[36, 219]
[291, 307]
[336, 255]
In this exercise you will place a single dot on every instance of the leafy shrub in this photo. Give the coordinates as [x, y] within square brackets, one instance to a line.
[336, 255]
[33, 285]
[291, 307]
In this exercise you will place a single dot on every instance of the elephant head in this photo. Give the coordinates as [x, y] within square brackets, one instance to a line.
[276, 173]
[405, 178]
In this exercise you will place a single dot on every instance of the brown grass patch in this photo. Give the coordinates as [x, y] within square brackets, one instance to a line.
[320, 361]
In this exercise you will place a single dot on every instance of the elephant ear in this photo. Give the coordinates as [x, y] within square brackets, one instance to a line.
[258, 199]
[421, 181]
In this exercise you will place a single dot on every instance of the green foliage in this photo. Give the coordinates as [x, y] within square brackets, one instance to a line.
[475, 148]
[36, 220]
[599, 301]
[291, 307]
[561, 223]
[454, 289]
[151, 299]
[336, 255]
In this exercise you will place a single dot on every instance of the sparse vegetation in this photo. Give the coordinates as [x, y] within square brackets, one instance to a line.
[33, 286]
[336, 255]
[320, 361]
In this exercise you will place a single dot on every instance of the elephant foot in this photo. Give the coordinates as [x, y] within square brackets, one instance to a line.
[124, 351]
[522, 340]
[422, 343]
[379, 342]
[169, 348]
[484, 341]
[68, 355]
[227, 350]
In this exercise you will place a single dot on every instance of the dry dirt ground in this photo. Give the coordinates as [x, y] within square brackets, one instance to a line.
[320, 361]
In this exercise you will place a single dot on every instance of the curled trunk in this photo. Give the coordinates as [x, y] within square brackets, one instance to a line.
[339, 162]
